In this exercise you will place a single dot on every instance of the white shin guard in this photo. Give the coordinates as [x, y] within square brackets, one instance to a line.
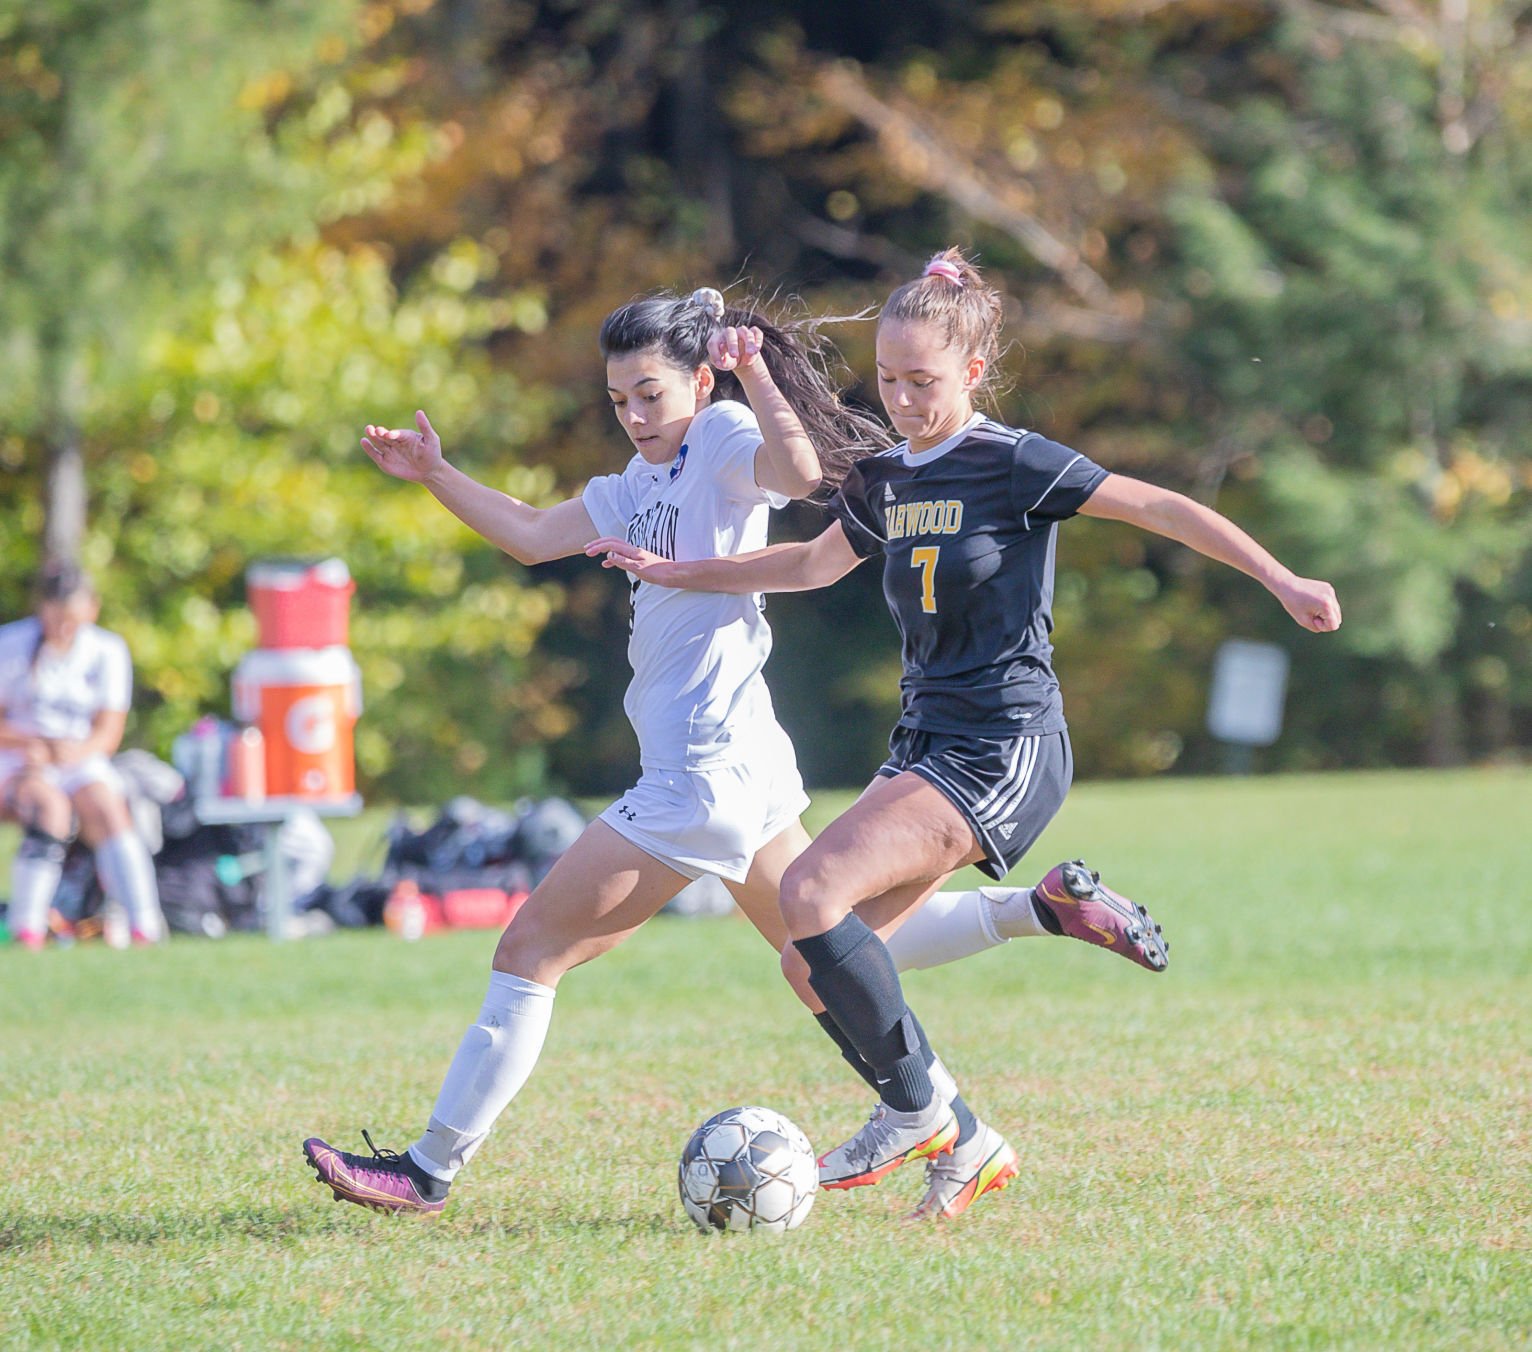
[493, 1061]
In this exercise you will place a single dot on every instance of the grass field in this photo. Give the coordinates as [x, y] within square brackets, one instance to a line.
[1311, 1133]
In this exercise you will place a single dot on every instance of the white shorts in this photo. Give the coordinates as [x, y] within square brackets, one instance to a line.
[713, 821]
[71, 779]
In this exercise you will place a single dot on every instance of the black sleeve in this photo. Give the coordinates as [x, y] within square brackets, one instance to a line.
[1050, 482]
[852, 507]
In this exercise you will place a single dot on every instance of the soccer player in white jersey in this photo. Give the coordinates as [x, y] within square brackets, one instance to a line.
[964, 515]
[65, 690]
[719, 790]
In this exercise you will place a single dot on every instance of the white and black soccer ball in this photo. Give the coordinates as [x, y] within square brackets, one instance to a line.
[748, 1169]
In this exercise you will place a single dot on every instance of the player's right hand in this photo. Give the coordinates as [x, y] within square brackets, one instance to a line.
[412, 455]
[735, 349]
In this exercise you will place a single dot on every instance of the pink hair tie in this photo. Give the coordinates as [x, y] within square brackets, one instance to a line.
[941, 267]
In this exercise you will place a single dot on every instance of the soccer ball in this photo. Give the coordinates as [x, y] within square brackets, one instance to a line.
[748, 1169]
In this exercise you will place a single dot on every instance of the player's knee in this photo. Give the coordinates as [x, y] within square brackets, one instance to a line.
[103, 814]
[518, 948]
[807, 906]
[55, 818]
[45, 808]
[534, 947]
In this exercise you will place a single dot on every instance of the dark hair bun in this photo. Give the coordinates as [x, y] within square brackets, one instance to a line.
[59, 579]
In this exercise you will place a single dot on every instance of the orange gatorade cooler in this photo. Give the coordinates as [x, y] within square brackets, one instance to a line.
[299, 604]
[305, 701]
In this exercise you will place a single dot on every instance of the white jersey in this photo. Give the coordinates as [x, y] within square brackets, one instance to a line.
[58, 695]
[697, 698]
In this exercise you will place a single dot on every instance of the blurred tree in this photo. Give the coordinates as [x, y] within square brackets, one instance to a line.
[1358, 282]
[221, 382]
[1273, 256]
[130, 166]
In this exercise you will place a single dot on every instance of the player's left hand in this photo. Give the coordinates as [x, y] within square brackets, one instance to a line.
[630, 558]
[733, 349]
[1312, 603]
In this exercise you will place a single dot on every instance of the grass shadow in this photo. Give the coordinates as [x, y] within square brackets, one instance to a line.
[21, 1231]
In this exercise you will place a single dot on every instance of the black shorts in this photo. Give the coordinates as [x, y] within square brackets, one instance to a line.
[1008, 788]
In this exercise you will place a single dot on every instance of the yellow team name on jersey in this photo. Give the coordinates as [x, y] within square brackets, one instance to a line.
[924, 518]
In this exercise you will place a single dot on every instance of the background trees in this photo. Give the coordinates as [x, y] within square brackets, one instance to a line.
[1276, 258]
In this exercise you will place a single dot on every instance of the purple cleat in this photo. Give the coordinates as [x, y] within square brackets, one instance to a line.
[1086, 910]
[385, 1182]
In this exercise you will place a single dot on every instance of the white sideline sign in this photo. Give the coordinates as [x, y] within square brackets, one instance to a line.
[1249, 688]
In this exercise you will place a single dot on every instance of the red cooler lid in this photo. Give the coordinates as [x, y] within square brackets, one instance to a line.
[292, 574]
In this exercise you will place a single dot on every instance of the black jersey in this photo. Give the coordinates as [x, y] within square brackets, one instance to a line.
[967, 534]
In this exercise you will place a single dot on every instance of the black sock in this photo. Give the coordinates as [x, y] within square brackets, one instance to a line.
[1045, 916]
[430, 1188]
[967, 1122]
[851, 971]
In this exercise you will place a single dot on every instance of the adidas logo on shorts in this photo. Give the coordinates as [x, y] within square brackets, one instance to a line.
[1008, 830]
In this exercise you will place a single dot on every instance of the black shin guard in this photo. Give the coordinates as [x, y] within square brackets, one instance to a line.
[852, 1057]
[850, 970]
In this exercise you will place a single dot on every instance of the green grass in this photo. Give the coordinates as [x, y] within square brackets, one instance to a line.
[1312, 1133]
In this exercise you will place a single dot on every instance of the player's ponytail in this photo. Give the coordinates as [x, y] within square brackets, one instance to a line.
[952, 295]
[801, 361]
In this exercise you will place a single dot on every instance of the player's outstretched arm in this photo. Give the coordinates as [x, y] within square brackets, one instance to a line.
[787, 462]
[528, 534]
[777, 568]
[1311, 602]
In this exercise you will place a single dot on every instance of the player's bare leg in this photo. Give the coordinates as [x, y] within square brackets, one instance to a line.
[600, 891]
[900, 832]
[758, 897]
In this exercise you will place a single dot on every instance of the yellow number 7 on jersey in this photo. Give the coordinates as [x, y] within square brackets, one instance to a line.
[925, 560]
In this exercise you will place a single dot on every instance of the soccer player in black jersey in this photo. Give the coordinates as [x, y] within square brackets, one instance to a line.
[964, 514]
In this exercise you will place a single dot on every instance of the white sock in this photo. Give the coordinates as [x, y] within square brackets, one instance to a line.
[1012, 913]
[493, 1061]
[127, 874]
[33, 883]
[953, 925]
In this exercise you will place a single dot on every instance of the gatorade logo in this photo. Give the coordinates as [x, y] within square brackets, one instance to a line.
[310, 725]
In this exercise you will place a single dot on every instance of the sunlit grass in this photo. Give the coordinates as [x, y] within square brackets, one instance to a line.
[1312, 1132]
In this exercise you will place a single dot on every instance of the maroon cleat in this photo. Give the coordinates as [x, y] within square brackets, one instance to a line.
[1086, 910]
[385, 1182]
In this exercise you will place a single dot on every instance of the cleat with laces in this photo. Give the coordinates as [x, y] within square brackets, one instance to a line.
[1073, 895]
[955, 1181]
[385, 1182]
[889, 1139]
